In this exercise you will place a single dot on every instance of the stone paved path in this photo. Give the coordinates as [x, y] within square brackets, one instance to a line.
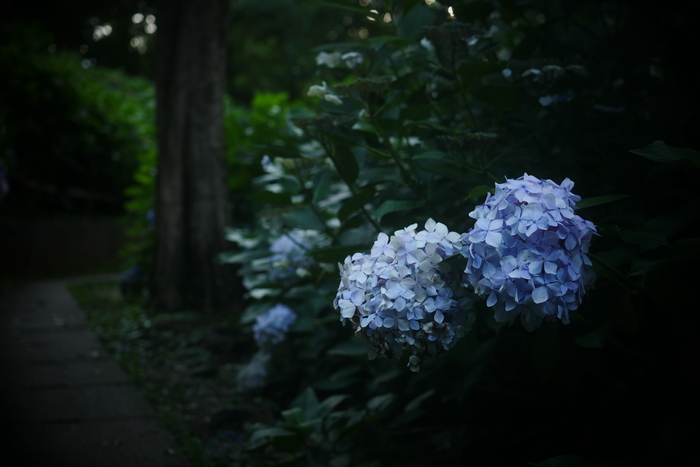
[63, 402]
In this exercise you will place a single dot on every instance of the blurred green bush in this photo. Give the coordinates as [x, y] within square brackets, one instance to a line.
[72, 133]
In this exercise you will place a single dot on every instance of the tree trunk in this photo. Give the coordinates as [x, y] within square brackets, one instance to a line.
[192, 201]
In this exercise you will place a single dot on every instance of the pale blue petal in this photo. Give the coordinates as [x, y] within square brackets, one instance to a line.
[540, 295]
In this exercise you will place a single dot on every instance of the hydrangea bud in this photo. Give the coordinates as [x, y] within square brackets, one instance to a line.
[404, 296]
[527, 251]
[271, 327]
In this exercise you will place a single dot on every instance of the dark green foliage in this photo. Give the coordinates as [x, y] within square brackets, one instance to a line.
[420, 135]
[70, 132]
[407, 135]
[270, 41]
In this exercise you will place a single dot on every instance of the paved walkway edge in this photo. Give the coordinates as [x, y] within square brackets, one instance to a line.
[66, 403]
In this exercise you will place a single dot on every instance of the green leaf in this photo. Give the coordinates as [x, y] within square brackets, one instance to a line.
[276, 151]
[376, 175]
[270, 432]
[594, 339]
[411, 22]
[328, 404]
[660, 152]
[288, 183]
[473, 72]
[340, 379]
[597, 200]
[381, 41]
[478, 191]
[415, 403]
[241, 257]
[351, 348]
[415, 112]
[242, 238]
[339, 133]
[434, 156]
[342, 46]
[295, 416]
[335, 254]
[682, 250]
[649, 236]
[477, 9]
[444, 168]
[498, 97]
[352, 222]
[269, 197]
[430, 124]
[304, 218]
[408, 5]
[345, 163]
[307, 402]
[378, 403]
[395, 205]
[344, 5]
[354, 203]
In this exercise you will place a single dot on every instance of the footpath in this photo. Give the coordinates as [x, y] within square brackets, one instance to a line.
[63, 402]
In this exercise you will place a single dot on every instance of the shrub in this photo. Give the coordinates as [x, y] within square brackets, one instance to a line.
[417, 125]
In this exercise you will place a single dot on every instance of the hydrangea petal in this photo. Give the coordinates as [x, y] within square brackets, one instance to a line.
[540, 295]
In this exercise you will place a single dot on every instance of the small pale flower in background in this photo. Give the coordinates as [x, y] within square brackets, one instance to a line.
[331, 60]
[271, 327]
[290, 259]
[318, 90]
[338, 60]
[352, 59]
[323, 92]
[271, 166]
[546, 101]
[427, 44]
[253, 375]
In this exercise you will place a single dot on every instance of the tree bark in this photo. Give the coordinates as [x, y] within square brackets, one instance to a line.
[191, 200]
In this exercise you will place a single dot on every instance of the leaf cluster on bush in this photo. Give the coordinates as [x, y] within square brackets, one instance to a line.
[420, 123]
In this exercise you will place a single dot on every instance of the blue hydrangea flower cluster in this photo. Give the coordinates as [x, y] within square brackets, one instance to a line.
[253, 375]
[403, 295]
[290, 259]
[271, 327]
[224, 447]
[527, 252]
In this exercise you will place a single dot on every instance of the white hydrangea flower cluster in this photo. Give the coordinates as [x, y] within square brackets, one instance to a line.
[403, 295]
